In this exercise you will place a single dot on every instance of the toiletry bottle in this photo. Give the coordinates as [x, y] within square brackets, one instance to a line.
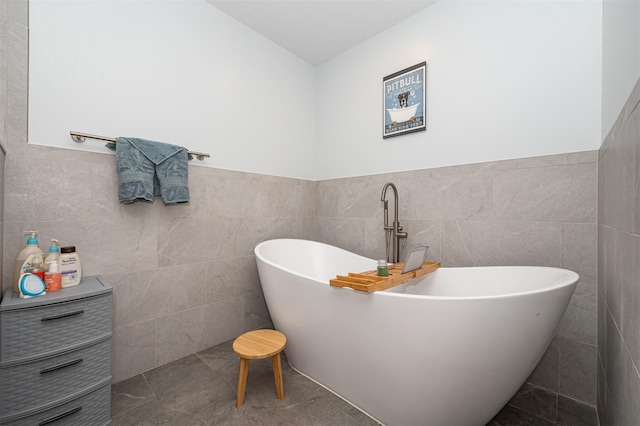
[53, 277]
[36, 266]
[54, 254]
[70, 266]
[20, 265]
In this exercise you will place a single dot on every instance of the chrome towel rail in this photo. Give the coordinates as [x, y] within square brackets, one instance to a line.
[80, 137]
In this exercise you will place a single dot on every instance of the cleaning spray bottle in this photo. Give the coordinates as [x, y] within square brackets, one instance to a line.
[53, 256]
[25, 258]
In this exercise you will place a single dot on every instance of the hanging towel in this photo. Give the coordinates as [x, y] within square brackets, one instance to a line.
[147, 169]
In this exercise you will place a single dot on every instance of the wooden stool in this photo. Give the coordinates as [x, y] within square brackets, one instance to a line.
[258, 344]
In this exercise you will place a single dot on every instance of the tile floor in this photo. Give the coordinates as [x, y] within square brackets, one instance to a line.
[201, 390]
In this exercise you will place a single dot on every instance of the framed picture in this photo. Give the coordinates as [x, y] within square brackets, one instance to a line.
[404, 101]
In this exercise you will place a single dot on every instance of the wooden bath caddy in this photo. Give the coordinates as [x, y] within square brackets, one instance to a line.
[369, 281]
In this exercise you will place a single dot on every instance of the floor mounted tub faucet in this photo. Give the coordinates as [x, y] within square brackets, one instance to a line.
[393, 233]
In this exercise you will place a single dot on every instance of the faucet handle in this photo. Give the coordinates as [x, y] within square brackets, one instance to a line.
[403, 235]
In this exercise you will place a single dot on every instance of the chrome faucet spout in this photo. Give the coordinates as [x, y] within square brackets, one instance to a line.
[395, 229]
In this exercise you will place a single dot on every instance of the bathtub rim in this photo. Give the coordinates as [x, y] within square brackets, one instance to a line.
[571, 278]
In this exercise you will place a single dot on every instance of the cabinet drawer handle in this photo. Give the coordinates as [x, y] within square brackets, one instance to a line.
[60, 366]
[68, 314]
[59, 416]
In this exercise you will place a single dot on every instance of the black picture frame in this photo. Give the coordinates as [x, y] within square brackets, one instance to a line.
[404, 101]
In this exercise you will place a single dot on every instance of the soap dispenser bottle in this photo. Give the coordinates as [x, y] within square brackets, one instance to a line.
[53, 256]
[24, 259]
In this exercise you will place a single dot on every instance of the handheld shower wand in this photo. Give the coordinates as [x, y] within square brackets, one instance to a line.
[387, 229]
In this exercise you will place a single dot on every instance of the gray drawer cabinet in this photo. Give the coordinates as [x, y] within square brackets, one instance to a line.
[55, 356]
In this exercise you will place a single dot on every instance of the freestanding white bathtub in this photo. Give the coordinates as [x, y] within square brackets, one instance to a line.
[450, 348]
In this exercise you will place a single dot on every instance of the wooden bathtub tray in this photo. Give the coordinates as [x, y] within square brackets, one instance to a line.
[369, 281]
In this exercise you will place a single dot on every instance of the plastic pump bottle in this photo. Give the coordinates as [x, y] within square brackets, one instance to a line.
[53, 278]
[24, 259]
[53, 256]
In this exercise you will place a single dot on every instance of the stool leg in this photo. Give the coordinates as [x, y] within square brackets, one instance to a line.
[242, 381]
[277, 374]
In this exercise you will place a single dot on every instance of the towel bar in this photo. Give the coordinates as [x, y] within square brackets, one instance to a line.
[80, 137]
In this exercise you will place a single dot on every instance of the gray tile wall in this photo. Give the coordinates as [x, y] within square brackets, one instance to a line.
[3, 71]
[184, 277]
[619, 269]
[3, 112]
[533, 211]
[13, 31]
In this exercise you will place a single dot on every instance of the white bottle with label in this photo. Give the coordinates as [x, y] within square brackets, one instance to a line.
[70, 266]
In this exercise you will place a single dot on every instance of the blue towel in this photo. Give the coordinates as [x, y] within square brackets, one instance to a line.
[147, 169]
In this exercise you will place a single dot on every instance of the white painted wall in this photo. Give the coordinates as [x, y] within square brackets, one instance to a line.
[620, 56]
[180, 72]
[505, 79]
